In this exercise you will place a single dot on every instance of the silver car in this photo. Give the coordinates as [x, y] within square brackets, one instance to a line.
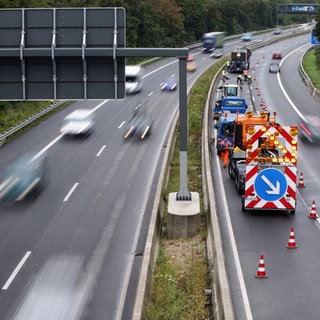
[80, 122]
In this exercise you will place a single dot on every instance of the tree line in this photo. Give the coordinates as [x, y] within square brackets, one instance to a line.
[172, 23]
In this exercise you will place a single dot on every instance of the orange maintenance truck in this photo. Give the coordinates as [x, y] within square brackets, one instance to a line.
[263, 162]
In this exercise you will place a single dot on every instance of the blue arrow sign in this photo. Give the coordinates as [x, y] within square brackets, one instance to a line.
[314, 40]
[270, 184]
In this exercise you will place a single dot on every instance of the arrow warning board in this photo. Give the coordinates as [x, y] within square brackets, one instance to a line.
[270, 184]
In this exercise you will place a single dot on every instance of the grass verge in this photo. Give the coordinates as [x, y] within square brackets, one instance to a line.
[181, 274]
[12, 113]
[309, 65]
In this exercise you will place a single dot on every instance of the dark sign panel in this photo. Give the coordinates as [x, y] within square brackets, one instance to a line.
[294, 8]
[62, 53]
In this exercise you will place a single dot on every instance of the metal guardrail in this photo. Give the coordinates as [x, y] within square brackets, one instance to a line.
[4, 135]
[312, 89]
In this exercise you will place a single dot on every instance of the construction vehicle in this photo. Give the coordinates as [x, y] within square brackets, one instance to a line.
[225, 128]
[231, 104]
[240, 60]
[229, 90]
[263, 162]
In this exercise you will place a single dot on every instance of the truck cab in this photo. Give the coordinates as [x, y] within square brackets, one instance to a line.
[234, 105]
[225, 129]
[225, 91]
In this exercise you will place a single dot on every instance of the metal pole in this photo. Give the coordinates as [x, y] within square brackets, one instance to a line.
[183, 193]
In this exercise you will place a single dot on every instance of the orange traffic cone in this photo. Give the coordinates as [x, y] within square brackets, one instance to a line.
[261, 273]
[301, 182]
[313, 214]
[258, 94]
[292, 242]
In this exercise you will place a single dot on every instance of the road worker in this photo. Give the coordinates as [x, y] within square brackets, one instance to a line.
[225, 145]
[245, 74]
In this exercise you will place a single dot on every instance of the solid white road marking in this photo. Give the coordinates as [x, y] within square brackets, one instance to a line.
[239, 272]
[16, 270]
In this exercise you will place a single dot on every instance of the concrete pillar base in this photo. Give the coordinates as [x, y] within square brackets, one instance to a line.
[183, 216]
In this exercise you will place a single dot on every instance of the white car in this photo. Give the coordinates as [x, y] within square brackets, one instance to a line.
[80, 122]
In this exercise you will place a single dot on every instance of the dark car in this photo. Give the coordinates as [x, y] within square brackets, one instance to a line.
[24, 178]
[274, 68]
[140, 124]
[170, 84]
[310, 129]
[277, 55]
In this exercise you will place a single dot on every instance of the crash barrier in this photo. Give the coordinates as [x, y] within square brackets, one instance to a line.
[6, 134]
[312, 89]
[221, 293]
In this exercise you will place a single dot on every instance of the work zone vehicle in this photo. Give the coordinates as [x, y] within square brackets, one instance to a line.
[229, 104]
[229, 90]
[240, 60]
[225, 128]
[212, 41]
[263, 163]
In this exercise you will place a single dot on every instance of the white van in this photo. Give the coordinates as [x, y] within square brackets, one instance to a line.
[133, 79]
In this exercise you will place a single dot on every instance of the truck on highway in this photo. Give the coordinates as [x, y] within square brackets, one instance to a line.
[212, 41]
[133, 79]
[225, 128]
[232, 104]
[263, 162]
[240, 60]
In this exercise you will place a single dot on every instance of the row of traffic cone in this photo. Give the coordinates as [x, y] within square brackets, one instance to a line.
[313, 213]
[261, 272]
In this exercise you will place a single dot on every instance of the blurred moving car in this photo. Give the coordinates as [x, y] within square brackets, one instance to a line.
[24, 179]
[277, 31]
[274, 67]
[190, 58]
[191, 66]
[58, 292]
[246, 37]
[140, 124]
[80, 122]
[170, 84]
[276, 55]
[310, 129]
[217, 53]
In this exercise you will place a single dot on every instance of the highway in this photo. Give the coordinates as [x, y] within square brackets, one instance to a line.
[291, 289]
[97, 201]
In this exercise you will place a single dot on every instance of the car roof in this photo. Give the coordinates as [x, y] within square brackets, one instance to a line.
[79, 114]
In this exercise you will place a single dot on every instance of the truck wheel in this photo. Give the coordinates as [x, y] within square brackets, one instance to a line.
[237, 182]
[242, 205]
[230, 170]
